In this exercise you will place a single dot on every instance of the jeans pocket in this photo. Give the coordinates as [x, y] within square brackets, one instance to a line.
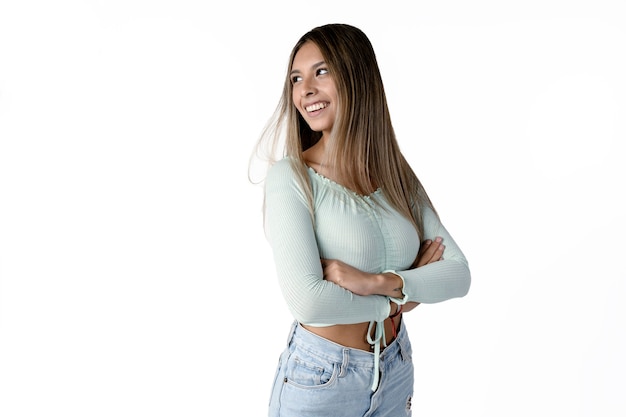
[309, 371]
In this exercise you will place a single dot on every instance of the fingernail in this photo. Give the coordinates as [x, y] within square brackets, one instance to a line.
[438, 239]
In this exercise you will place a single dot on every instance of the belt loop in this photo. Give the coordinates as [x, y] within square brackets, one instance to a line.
[292, 331]
[344, 364]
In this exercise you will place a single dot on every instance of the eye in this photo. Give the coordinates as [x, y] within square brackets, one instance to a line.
[322, 71]
[295, 79]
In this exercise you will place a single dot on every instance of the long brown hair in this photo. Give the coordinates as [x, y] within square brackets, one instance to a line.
[363, 149]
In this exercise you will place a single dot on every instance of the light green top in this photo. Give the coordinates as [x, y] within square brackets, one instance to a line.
[351, 228]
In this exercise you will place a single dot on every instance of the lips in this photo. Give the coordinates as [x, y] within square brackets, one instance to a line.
[316, 106]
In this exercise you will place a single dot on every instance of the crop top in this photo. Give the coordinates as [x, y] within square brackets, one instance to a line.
[352, 228]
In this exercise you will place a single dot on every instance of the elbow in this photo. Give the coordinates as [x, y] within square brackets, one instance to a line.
[304, 306]
[466, 282]
[304, 312]
[464, 279]
[457, 284]
[466, 287]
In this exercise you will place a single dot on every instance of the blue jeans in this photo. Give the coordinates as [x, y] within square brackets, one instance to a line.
[320, 378]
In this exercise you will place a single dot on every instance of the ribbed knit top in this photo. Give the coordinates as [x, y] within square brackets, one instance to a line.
[354, 229]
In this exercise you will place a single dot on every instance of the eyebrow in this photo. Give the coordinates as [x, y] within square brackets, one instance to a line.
[314, 66]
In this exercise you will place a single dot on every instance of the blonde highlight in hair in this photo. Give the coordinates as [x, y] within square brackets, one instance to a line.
[362, 149]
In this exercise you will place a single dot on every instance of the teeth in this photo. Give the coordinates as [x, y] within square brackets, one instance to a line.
[316, 106]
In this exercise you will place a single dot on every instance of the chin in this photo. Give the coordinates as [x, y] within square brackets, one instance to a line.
[317, 127]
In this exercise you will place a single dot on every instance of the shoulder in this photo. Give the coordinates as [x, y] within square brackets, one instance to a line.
[283, 182]
[283, 173]
[429, 215]
[282, 167]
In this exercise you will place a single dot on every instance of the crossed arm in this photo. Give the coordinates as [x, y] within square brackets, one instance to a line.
[389, 284]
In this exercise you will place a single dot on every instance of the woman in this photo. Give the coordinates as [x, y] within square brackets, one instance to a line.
[345, 215]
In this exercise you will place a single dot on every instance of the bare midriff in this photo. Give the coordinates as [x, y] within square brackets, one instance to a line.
[354, 335]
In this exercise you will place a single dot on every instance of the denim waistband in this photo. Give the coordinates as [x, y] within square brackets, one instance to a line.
[349, 357]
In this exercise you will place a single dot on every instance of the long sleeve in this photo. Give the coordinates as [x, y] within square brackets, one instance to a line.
[442, 280]
[291, 234]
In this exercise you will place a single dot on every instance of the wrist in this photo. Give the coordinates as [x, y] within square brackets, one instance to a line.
[392, 284]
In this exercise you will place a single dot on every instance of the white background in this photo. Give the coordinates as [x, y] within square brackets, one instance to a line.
[135, 279]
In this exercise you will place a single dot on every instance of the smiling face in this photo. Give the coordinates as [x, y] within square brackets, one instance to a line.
[314, 91]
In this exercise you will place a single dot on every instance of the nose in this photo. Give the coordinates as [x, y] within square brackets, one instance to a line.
[308, 87]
